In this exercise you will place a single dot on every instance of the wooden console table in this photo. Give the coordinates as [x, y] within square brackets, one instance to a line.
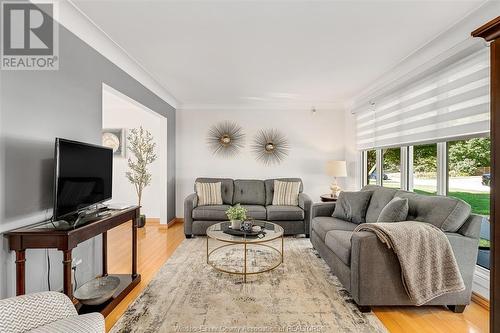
[61, 236]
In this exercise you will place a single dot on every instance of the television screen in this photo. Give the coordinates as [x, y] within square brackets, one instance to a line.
[83, 176]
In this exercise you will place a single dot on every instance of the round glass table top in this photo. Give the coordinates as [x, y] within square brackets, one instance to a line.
[271, 231]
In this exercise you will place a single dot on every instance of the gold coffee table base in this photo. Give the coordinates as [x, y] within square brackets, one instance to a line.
[245, 248]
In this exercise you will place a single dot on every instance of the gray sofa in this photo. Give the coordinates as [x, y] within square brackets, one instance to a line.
[370, 271]
[254, 195]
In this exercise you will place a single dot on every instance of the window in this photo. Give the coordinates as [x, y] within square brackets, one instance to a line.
[425, 169]
[469, 180]
[391, 175]
[371, 166]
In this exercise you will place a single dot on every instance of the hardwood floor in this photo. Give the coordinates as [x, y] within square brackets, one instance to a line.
[157, 243]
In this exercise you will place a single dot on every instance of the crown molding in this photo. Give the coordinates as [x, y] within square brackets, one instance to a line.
[76, 21]
[263, 106]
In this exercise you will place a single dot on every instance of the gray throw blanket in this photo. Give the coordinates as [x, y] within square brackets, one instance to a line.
[428, 266]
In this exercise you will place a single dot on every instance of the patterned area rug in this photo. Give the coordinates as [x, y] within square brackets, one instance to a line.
[301, 295]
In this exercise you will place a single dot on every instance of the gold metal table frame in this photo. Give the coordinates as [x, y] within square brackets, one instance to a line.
[235, 241]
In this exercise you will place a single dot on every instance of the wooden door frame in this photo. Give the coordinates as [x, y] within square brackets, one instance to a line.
[490, 32]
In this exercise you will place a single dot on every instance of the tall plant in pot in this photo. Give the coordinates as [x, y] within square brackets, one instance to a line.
[142, 146]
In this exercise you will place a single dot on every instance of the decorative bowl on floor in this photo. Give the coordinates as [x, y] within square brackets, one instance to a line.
[98, 290]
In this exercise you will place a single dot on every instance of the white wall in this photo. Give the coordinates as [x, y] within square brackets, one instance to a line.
[314, 139]
[118, 112]
[352, 155]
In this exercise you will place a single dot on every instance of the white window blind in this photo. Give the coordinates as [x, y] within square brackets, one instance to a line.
[452, 102]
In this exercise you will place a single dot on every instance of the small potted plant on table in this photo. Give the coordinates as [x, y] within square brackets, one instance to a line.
[236, 214]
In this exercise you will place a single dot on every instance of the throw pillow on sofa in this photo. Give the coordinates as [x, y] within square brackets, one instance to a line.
[352, 206]
[209, 193]
[286, 193]
[395, 211]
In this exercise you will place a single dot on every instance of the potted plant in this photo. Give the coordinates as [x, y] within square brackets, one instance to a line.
[236, 214]
[141, 145]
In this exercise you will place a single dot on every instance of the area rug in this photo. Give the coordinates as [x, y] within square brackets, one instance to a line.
[301, 295]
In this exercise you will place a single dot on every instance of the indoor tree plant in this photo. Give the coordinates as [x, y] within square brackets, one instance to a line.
[141, 145]
[236, 214]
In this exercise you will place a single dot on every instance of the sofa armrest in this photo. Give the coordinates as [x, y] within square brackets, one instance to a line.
[27, 312]
[472, 226]
[465, 250]
[375, 271]
[305, 203]
[322, 209]
[190, 203]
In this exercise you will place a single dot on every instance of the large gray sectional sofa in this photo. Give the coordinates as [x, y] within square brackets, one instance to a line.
[370, 271]
[254, 195]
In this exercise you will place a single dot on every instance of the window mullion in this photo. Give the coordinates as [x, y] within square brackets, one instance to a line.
[442, 169]
[379, 163]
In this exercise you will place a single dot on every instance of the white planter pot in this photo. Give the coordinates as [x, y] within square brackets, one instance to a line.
[235, 224]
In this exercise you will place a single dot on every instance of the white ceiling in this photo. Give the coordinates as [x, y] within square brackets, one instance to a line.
[265, 52]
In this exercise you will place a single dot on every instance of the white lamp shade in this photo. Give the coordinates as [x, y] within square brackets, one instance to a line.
[336, 168]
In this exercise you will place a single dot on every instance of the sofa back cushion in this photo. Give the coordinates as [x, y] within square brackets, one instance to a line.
[446, 213]
[227, 187]
[269, 183]
[380, 198]
[249, 192]
[352, 206]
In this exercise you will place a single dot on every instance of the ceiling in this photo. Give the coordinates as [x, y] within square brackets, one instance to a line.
[271, 52]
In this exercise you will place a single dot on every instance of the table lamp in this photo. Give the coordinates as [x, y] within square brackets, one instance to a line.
[336, 169]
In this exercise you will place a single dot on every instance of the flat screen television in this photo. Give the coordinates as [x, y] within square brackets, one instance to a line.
[83, 176]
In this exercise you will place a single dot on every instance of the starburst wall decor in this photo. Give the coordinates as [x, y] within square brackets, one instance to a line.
[270, 147]
[225, 139]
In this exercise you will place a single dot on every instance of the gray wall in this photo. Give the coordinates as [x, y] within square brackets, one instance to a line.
[36, 107]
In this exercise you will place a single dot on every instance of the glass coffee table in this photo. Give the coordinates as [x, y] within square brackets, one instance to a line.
[229, 246]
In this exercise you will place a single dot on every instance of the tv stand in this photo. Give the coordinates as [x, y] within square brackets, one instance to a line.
[61, 236]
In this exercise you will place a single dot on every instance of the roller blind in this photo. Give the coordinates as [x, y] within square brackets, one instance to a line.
[452, 102]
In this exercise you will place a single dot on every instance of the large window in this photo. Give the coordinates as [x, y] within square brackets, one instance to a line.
[469, 180]
[391, 175]
[425, 169]
[459, 169]
[371, 166]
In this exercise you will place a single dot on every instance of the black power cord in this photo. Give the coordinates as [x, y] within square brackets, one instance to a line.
[74, 277]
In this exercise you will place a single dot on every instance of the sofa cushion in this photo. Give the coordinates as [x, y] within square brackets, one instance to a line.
[211, 213]
[380, 198]
[227, 188]
[284, 213]
[446, 213]
[270, 187]
[249, 192]
[321, 225]
[351, 206]
[339, 241]
[286, 193]
[209, 193]
[395, 211]
[256, 212]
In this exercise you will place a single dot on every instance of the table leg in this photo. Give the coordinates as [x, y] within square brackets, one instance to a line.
[134, 246]
[105, 253]
[67, 285]
[207, 249]
[282, 249]
[245, 264]
[20, 272]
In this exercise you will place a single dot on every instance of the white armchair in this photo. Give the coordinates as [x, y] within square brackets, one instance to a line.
[46, 312]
